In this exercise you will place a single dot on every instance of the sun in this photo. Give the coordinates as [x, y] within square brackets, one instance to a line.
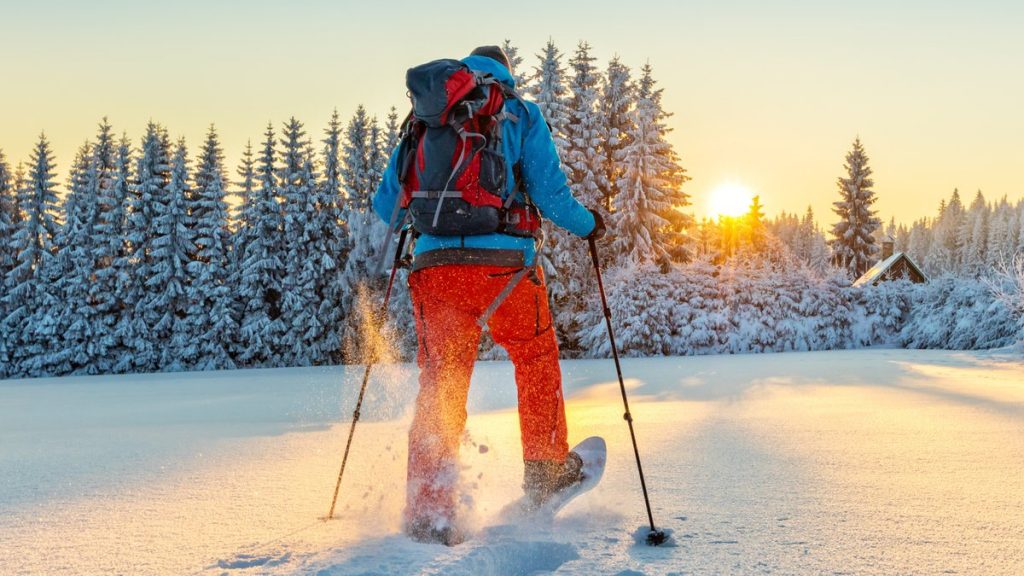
[730, 199]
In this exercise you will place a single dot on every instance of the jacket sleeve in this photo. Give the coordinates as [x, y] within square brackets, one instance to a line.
[544, 180]
[386, 197]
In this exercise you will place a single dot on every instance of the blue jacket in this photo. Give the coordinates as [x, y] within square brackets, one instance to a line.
[529, 141]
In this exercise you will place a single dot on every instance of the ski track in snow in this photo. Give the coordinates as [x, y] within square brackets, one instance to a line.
[858, 462]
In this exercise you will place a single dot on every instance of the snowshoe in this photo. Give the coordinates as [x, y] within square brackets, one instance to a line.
[582, 471]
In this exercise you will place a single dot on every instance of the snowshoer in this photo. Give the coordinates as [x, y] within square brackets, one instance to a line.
[476, 168]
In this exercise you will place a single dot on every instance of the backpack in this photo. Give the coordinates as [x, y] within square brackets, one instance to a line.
[451, 164]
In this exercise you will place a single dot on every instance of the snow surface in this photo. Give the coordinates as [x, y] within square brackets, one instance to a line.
[853, 462]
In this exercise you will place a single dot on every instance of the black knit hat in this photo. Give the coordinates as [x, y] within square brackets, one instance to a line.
[494, 53]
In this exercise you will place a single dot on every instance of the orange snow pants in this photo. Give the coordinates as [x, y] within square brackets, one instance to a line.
[448, 301]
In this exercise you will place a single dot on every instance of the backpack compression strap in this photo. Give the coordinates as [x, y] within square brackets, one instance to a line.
[393, 224]
[456, 118]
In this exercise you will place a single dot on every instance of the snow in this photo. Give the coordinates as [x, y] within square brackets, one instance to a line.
[865, 461]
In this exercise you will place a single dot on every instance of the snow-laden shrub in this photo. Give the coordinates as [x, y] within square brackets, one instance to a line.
[700, 319]
[830, 321]
[642, 306]
[958, 314]
[704, 309]
[1008, 287]
[879, 312]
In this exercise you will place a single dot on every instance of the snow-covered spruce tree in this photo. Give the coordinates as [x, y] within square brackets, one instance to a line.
[9, 219]
[615, 106]
[110, 252]
[147, 200]
[522, 79]
[378, 156]
[210, 295]
[585, 132]
[83, 329]
[919, 241]
[753, 221]
[9, 214]
[356, 175]
[332, 221]
[333, 182]
[972, 237]
[582, 157]
[889, 229]
[392, 132]
[787, 228]
[853, 236]
[244, 208]
[998, 247]
[321, 268]
[1019, 227]
[673, 174]
[706, 241]
[552, 96]
[641, 197]
[362, 286]
[239, 218]
[356, 168]
[944, 257]
[363, 283]
[901, 240]
[262, 266]
[73, 339]
[816, 253]
[403, 342]
[166, 305]
[647, 224]
[97, 321]
[28, 287]
[1014, 242]
[298, 294]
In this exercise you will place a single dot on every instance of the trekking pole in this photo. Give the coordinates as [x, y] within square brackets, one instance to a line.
[378, 320]
[655, 536]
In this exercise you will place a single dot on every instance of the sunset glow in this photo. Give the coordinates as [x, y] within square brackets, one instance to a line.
[794, 56]
[729, 199]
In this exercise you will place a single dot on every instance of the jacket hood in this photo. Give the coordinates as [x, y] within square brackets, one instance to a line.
[492, 67]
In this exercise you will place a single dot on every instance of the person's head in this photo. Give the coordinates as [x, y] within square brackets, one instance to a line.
[494, 53]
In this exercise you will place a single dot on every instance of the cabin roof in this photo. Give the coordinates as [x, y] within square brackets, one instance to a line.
[880, 269]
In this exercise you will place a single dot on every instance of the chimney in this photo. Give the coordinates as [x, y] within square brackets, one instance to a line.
[887, 246]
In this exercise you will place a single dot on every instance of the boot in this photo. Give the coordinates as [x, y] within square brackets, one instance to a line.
[424, 530]
[542, 479]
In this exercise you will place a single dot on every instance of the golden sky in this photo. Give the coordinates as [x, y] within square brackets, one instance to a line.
[767, 94]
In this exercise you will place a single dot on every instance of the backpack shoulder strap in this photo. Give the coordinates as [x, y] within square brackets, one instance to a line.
[510, 93]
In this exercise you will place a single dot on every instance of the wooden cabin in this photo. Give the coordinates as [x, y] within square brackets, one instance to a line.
[892, 266]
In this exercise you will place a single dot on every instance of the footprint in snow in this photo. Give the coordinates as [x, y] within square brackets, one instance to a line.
[246, 561]
[508, 557]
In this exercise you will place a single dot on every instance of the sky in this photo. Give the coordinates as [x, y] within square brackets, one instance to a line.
[769, 95]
